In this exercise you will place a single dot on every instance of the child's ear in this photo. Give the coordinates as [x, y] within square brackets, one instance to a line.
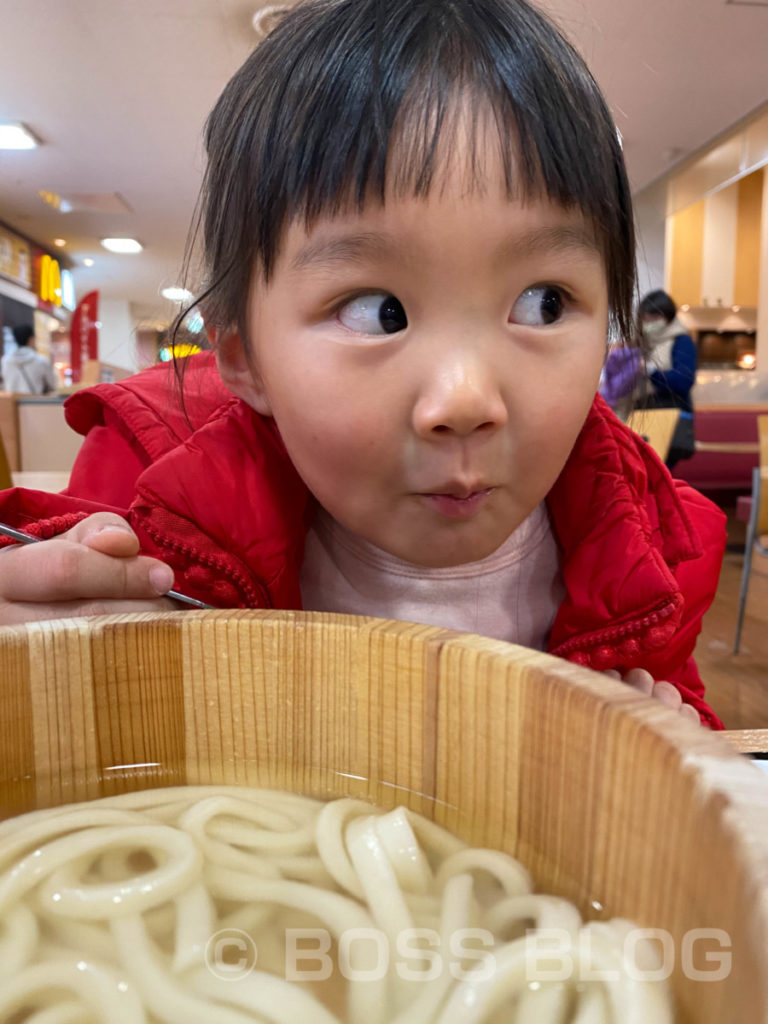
[237, 372]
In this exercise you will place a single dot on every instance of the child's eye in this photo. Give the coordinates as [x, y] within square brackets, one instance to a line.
[374, 314]
[539, 306]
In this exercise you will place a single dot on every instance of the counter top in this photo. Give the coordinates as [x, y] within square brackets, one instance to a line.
[748, 741]
[53, 399]
[42, 481]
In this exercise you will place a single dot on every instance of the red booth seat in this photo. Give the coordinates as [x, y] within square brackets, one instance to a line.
[726, 448]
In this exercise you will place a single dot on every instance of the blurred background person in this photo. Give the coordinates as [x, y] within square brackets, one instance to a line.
[671, 359]
[25, 370]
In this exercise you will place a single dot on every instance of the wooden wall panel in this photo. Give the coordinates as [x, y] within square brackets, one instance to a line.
[747, 269]
[687, 254]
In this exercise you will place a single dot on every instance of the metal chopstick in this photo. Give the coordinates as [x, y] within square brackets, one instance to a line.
[25, 538]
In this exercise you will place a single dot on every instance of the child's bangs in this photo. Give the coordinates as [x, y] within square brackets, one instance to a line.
[430, 138]
[349, 100]
[392, 120]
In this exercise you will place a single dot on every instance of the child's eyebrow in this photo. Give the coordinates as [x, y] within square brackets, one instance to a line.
[558, 238]
[343, 249]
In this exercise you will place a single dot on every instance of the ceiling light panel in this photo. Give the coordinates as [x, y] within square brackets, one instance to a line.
[14, 135]
[122, 245]
[177, 294]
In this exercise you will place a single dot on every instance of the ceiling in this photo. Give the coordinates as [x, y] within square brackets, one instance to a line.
[118, 90]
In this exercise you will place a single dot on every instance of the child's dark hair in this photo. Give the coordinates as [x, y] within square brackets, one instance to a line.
[658, 303]
[346, 98]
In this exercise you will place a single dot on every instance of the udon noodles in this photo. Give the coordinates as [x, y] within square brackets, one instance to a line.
[233, 905]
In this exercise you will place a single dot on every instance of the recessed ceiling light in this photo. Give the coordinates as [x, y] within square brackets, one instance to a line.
[122, 244]
[88, 262]
[59, 242]
[177, 294]
[16, 136]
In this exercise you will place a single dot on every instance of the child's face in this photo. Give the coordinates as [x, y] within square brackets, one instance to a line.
[430, 362]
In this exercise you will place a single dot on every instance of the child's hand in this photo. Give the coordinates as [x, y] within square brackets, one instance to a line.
[93, 569]
[668, 694]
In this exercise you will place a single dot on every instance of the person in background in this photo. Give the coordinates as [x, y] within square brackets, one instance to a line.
[25, 370]
[671, 367]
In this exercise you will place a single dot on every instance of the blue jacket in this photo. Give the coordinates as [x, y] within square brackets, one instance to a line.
[672, 388]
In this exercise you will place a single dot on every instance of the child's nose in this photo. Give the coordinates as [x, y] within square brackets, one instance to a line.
[461, 398]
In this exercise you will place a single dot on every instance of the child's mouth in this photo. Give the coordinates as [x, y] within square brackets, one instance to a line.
[455, 507]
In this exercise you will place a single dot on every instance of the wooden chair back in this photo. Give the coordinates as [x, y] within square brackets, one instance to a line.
[656, 426]
[5, 469]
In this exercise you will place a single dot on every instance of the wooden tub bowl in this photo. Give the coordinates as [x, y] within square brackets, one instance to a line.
[608, 798]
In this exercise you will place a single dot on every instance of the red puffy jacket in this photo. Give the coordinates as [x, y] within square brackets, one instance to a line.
[212, 492]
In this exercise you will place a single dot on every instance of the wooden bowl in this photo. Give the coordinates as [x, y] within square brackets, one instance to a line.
[608, 798]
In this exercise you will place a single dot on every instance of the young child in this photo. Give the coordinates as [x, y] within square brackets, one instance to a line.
[418, 239]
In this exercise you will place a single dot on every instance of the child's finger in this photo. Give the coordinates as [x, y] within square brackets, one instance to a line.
[59, 571]
[105, 532]
[668, 694]
[689, 712]
[663, 692]
[640, 680]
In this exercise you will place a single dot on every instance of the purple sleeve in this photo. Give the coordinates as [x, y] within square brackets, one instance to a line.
[622, 367]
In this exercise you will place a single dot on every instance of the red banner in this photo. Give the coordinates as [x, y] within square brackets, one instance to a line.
[84, 334]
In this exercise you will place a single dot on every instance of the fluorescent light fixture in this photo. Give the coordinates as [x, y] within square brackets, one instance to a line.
[177, 294]
[122, 244]
[14, 135]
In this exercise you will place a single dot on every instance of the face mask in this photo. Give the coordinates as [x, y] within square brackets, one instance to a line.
[653, 329]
